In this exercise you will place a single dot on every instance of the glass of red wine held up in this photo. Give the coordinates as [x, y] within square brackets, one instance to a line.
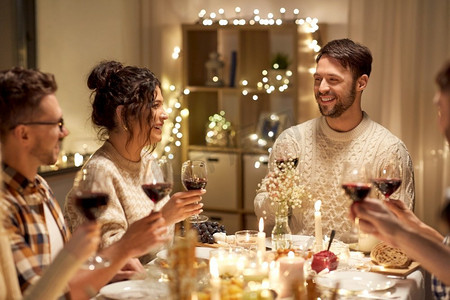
[194, 177]
[157, 180]
[356, 181]
[91, 197]
[388, 178]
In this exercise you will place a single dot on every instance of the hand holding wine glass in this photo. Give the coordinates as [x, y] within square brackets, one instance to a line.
[157, 180]
[194, 177]
[91, 197]
[388, 178]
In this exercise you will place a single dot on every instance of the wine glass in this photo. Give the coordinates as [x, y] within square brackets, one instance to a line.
[91, 197]
[194, 177]
[157, 180]
[388, 178]
[355, 181]
[286, 153]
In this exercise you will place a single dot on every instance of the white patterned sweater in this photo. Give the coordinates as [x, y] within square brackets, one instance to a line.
[127, 201]
[322, 153]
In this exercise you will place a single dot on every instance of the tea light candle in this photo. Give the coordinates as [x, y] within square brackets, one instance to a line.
[215, 279]
[291, 274]
[318, 226]
[261, 238]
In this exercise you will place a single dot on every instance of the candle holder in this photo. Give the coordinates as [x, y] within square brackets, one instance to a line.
[247, 239]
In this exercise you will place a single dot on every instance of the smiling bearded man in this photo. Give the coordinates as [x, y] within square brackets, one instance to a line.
[344, 133]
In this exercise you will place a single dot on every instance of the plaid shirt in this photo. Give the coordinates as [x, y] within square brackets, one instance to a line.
[440, 290]
[30, 242]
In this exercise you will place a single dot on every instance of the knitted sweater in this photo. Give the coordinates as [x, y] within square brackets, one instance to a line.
[127, 201]
[322, 153]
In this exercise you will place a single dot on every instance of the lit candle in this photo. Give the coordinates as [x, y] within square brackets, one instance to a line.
[318, 226]
[291, 274]
[215, 279]
[261, 238]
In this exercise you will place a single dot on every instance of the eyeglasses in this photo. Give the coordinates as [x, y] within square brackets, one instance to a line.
[60, 123]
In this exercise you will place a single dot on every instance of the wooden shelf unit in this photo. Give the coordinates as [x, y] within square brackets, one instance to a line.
[255, 46]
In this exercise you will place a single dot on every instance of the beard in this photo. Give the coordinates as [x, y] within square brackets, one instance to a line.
[341, 106]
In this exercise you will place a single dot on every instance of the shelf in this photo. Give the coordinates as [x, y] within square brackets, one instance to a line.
[227, 149]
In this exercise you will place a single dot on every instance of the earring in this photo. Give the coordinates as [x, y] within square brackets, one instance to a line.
[125, 127]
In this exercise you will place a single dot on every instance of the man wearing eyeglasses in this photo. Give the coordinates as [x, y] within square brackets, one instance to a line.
[31, 132]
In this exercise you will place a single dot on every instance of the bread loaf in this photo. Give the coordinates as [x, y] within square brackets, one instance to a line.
[389, 257]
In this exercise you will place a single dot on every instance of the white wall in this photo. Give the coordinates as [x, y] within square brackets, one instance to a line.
[73, 36]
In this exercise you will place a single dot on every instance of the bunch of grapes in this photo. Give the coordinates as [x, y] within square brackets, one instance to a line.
[206, 230]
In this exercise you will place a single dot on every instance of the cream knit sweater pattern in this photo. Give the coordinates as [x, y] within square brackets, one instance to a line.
[323, 152]
[127, 201]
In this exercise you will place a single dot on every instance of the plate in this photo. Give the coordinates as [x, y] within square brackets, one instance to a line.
[200, 252]
[135, 289]
[355, 281]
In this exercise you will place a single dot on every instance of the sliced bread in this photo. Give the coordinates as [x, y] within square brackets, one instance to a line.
[389, 257]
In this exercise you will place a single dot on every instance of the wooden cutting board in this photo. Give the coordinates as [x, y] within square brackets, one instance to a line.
[391, 271]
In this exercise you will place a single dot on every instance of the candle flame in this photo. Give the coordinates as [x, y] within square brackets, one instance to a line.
[317, 205]
[261, 225]
[213, 268]
[291, 254]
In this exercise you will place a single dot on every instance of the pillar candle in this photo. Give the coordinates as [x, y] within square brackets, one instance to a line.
[261, 238]
[215, 279]
[318, 226]
[291, 274]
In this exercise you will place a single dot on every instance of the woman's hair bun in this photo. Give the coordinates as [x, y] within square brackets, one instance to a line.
[101, 73]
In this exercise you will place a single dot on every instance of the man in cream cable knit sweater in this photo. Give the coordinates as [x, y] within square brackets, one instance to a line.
[344, 133]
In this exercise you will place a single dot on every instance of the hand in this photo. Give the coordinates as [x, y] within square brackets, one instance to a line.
[405, 215]
[376, 219]
[84, 241]
[183, 205]
[132, 268]
[145, 234]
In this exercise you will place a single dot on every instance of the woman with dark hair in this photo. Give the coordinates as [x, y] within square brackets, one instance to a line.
[127, 110]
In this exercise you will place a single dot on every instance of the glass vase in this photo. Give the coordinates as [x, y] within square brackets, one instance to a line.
[281, 233]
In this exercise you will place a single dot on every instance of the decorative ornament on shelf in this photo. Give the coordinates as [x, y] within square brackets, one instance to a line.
[214, 70]
[219, 131]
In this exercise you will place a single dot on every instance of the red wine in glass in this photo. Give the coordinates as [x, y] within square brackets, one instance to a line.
[387, 186]
[356, 191]
[195, 183]
[90, 203]
[90, 197]
[157, 191]
[194, 177]
[157, 180]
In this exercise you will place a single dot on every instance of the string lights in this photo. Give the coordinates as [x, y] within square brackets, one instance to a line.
[269, 83]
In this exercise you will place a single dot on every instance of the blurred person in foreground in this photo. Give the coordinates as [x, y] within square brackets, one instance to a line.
[344, 133]
[31, 131]
[393, 223]
[128, 112]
